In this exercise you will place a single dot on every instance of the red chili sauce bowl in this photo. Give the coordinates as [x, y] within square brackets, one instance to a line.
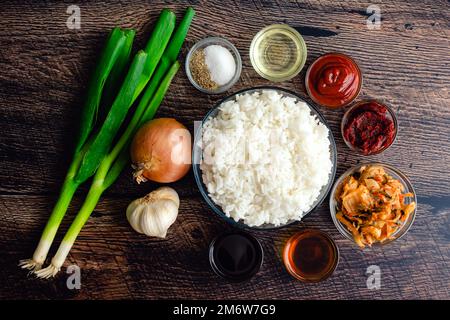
[369, 127]
[333, 80]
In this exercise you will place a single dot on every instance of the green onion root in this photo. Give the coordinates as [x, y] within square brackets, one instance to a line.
[81, 218]
[40, 254]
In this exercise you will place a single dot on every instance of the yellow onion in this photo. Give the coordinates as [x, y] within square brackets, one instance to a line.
[161, 151]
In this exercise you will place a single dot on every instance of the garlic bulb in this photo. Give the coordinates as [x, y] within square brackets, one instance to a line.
[153, 214]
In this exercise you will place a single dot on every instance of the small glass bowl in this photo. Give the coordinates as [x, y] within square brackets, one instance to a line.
[308, 84]
[246, 239]
[197, 156]
[346, 117]
[224, 43]
[294, 37]
[292, 244]
[393, 172]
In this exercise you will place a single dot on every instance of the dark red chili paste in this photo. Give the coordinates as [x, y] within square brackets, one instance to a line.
[369, 127]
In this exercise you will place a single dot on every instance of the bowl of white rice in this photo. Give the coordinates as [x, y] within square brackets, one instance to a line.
[264, 158]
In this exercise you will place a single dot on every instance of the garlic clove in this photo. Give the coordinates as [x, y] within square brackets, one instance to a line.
[158, 217]
[148, 221]
[171, 209]
[133, 213]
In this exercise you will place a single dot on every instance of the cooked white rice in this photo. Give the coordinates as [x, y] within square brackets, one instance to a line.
[265, 158]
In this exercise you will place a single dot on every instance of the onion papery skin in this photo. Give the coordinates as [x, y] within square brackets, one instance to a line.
[161, 151]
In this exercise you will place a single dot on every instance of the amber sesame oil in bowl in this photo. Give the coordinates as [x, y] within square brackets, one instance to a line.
[278, 52]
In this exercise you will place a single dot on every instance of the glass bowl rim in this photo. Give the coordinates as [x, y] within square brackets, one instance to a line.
[302, 44]
[197, 171]
[405, 182]
[308, 71]
[234, 52]
[333, 244]
[249, 236]
[358, 104]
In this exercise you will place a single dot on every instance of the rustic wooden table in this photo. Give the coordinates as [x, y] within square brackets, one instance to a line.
[44, 67]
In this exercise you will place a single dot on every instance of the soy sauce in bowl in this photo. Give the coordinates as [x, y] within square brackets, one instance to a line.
[235, 256]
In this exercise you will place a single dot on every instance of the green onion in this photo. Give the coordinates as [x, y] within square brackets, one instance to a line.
[114, 54]
[103, 178]
[167, 60]
[143, 66]
[96, 155]
[92, 147]
[118, 73]
[168, 57]
[114, 119]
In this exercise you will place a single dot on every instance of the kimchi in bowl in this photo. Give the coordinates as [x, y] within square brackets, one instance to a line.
[371, 208]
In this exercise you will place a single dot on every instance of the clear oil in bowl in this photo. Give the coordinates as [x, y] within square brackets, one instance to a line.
[278, 52]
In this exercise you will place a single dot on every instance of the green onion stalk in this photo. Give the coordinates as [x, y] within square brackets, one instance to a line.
[92, 149]
[113, 60]
[103, 178]
[150, 73]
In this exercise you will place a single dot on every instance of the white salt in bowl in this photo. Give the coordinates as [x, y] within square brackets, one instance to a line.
[221, 42]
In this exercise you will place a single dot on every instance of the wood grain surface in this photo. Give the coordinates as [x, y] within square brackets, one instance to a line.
[44, 68]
